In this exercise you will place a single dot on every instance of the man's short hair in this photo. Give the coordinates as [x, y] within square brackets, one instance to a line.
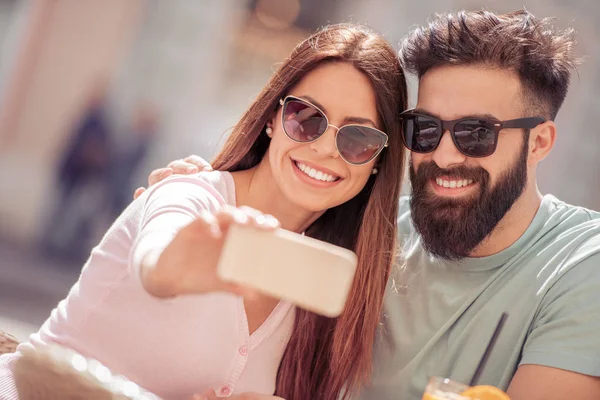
[539, 54]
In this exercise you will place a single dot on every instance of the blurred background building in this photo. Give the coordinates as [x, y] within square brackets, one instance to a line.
[94, 94]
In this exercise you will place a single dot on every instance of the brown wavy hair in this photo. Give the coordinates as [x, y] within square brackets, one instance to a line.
[331, 357]
[541, 55]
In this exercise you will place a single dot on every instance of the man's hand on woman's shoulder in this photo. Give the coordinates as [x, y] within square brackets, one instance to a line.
[185, 166]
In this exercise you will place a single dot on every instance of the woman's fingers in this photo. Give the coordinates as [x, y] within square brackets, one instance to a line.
[260, 220]
[245, 216]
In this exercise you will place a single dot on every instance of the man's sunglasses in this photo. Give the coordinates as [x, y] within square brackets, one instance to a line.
[304, 122]
[473, 137]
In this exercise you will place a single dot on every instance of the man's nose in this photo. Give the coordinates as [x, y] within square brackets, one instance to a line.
[446, 154]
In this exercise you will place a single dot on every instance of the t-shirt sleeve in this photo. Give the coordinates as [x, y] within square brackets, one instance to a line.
[170, 206]
[566, 331]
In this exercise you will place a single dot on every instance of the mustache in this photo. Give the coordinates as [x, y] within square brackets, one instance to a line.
[430, 170]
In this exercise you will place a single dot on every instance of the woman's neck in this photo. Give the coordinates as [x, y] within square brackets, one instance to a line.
[256, 188]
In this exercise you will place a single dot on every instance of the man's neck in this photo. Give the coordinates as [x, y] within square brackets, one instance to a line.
[256, 188]
[512, 226]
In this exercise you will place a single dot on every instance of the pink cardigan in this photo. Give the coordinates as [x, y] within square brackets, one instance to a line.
[174, 347]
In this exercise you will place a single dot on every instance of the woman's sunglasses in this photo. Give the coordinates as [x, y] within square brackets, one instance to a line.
[473, 137]
[304, 122]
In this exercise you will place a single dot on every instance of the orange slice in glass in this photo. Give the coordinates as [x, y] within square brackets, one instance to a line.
[485, 392]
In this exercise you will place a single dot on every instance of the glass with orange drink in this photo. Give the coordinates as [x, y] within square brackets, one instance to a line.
[447, 389]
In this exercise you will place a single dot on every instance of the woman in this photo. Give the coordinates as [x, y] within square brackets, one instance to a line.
[311, 151]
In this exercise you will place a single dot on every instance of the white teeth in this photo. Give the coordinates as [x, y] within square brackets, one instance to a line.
[453, 184]
[318, 175]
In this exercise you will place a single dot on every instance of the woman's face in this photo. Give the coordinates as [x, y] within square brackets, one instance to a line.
[313, 175]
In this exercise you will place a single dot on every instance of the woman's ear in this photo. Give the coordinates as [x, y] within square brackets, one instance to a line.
[270, 125]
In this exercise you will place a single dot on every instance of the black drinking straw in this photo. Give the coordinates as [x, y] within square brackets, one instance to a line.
[488, 350]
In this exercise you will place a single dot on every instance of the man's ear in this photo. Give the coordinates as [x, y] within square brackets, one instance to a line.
[541, 141]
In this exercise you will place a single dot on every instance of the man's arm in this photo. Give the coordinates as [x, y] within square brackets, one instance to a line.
[537, 382]
[561, 357]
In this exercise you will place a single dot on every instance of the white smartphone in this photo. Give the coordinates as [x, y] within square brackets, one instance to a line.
[312, 274]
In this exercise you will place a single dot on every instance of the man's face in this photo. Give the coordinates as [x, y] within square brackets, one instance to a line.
[458, 200]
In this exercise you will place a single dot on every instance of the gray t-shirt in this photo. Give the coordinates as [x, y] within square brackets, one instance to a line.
[439, 316]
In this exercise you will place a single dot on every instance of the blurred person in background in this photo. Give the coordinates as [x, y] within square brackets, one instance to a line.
[478, 238]
[126, 159]
[82, 178]
[312, 151]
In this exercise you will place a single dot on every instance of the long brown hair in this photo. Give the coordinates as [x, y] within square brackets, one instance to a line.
[326, 357]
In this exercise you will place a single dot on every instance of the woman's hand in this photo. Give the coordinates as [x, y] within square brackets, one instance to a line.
[186, 166]
[188, 265]
[210, 395]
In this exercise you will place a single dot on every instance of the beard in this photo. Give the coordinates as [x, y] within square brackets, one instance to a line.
[451, 228]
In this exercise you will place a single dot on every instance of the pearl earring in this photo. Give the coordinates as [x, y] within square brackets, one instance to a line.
[269, 131]
[374, 171]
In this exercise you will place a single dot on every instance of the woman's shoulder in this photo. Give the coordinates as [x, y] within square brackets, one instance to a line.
[216, 185]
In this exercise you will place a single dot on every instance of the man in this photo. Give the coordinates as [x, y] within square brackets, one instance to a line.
[81, 179]
[478, 238]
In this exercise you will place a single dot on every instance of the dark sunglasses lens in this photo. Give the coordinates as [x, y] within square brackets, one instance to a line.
[475, 138]
[421, 133]
[303, 122]
[359, 144]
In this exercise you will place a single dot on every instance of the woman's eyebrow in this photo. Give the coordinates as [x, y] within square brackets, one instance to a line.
[355, 120]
